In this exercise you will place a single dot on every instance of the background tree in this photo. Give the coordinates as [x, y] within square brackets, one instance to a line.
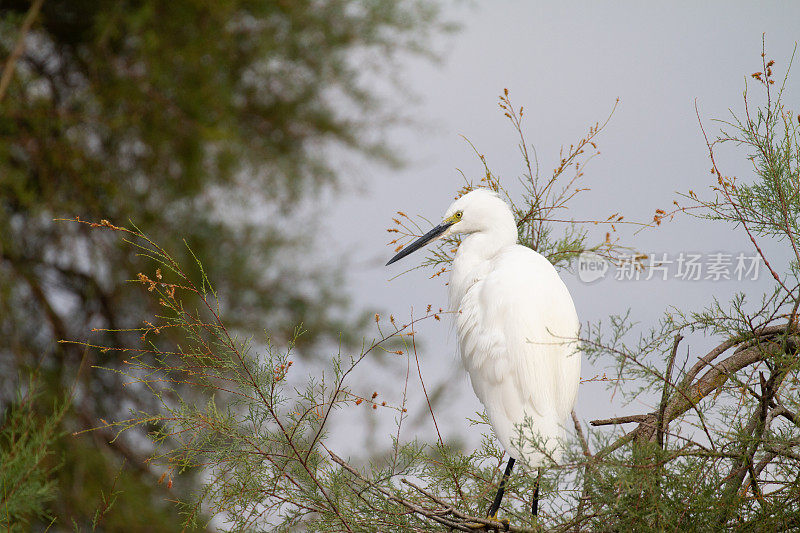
[208, 123]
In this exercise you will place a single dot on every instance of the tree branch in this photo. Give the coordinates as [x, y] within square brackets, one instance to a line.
[689, 394]
[19, 47]
[663, 424]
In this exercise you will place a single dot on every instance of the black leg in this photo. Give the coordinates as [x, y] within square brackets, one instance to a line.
[535, 505]
[499, 496]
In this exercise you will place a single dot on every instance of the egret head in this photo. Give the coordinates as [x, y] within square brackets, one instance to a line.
[480, 210]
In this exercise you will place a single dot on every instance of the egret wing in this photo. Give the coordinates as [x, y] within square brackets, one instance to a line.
[518, 342]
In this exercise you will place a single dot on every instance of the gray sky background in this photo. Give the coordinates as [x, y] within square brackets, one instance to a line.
[566, 63]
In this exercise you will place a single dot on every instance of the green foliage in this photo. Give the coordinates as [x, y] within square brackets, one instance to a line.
[26, 455]
[720, 450]
[770, 134]
[259, 436]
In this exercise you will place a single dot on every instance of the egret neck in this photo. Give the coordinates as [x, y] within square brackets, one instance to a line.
[473, 259]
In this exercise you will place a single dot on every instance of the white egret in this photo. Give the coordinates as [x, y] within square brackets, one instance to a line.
[517, 330]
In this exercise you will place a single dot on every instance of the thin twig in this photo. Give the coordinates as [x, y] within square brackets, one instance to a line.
[662, 423]
[581, 436]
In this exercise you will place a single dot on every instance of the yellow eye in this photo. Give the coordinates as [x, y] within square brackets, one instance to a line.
[458, 214]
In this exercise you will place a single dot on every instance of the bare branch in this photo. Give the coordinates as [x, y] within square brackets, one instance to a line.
[619, 420]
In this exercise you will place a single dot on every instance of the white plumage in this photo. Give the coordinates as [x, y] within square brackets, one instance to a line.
[516, 322]
[516, 326]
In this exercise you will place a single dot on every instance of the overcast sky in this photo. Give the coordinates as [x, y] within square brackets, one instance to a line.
[567, 63]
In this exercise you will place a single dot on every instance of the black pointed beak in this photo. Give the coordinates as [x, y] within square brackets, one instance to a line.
[432, 235]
